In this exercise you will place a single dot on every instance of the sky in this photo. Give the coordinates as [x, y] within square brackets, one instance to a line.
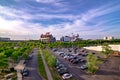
[28, 19]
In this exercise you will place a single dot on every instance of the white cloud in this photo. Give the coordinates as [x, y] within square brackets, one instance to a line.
[12, 13]
[20, 28]
[47, 1]
[90, 14]
[16, 28]
[56, 3]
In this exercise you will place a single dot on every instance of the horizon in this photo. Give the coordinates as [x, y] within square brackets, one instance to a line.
[28, 19]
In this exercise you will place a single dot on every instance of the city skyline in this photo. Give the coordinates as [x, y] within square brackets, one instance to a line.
[28, 19]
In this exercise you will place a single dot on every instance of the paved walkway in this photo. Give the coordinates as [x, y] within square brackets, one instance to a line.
[32, 66]
[49, 76]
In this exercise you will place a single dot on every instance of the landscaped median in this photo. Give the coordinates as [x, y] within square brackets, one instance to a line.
[41, 67]
[51, 61]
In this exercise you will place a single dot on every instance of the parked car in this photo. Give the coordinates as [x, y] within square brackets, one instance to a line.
[79, 59]
[75, 57]
[57, 63]
[83, 67]
[93, 53]
[66, 57]
[54, 49]
[84, 54]
[25, 72]
[79, 54]
[71, 60]
[62, 71]
[62, 54]
[83, 60]
[30, 57]
[59, 66]
[66, 76]
[75, 61]
[63, 68]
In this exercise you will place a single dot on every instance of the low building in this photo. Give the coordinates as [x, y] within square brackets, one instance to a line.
[47, 37]
[72, 38]
[65, 39]
[4, 39]
[108, 38]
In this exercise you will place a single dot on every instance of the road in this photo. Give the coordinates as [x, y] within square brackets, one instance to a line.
[32, 66]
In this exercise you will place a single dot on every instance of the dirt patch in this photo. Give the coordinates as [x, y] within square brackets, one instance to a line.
[110, 70]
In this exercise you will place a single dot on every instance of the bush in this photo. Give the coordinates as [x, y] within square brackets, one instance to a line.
[41, 67]
[92, 63]
[51, 59]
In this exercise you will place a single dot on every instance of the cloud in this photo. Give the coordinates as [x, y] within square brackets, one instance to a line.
[18, 24]
[18, 27]
[11, 13]
[52, 2]
[46, 1]
[100, 11]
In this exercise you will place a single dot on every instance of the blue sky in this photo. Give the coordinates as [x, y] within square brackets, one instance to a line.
[91, 19]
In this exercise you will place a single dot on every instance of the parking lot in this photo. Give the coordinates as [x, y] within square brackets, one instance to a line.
[74, 63]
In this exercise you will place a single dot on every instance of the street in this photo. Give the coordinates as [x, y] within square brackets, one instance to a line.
[32, 66]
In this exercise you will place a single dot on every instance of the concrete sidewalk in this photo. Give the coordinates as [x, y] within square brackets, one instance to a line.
[49, 76]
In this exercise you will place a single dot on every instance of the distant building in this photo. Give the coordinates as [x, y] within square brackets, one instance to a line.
[75, 38]
[4, 39]
[47, 37]
[108, 38]
[65, 39]
[72, 38]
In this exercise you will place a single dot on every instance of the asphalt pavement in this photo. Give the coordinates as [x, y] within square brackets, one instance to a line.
[32, 66]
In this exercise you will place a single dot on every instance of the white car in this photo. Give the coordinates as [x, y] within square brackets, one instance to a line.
[83, 67]
[66, 76]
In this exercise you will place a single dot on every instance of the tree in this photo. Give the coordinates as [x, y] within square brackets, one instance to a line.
[92, 63]
[15, 56]
[3, 61]
[106, 49]
[9, 51]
